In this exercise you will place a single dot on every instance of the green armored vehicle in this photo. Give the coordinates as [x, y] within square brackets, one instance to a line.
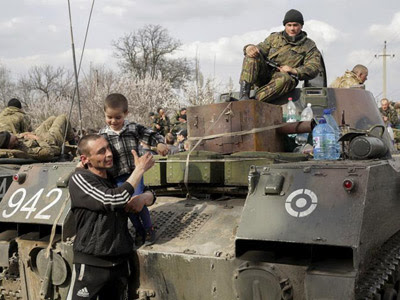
[259, 225]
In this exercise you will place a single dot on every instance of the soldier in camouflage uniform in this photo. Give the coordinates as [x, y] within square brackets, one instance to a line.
[44, 143]
[389, 115]
[291, 50]
[13, 119]
[352, 79]
[161, 123]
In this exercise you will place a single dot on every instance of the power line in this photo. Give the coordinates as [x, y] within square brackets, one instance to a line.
[384, 55]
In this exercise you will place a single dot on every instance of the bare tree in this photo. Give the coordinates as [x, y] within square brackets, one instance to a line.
[94, 88]
[143, 94]
[146, 52]
[205, 91]
[46, 91]
[7, 86]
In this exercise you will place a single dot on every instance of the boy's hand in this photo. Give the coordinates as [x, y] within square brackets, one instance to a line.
[144, 162]
[162, 149]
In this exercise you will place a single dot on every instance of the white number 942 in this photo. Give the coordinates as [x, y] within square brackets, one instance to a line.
[17, 203]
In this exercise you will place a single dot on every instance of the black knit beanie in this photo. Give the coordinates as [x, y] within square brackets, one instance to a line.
[14, 102]
[293, 16]
[4, 139]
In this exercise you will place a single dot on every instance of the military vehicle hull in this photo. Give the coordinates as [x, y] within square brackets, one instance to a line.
[304, 236]
[265, 226]
[6, 173]
[35, 212]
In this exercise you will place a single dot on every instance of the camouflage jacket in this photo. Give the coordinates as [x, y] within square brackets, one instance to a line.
[37, 149]
[178, 127]
[14, 120]
[303, 55]
[391, 114]
[164, 125]
[348, 80]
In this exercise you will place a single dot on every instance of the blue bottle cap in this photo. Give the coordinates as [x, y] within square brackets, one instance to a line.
[327, 111]
[322, 121]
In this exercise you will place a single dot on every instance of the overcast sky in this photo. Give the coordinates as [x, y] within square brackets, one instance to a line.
[36, 32]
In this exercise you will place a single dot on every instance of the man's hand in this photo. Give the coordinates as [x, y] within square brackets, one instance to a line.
[29, 136]
[162, 149]
[144, 162]
[252, 51]
[287, 69]
[136, 203]
[158, 126]
[385, 119]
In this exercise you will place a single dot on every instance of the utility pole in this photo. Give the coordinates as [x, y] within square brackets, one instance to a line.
[384, 55]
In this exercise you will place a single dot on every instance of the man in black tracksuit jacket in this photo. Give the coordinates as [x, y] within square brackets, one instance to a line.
[103, 244]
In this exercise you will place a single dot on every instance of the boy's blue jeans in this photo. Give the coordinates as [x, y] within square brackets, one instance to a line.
[141, 221]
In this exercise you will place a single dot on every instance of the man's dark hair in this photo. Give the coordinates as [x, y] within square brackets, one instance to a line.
[116, 101]
[151, 114]
[83, 143]
[14, 102]
[182, 109]
[183, 132]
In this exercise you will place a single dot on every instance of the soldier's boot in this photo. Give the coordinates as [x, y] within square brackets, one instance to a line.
[244, 93]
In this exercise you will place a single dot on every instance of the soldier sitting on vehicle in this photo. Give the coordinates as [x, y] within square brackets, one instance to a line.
[352, 79]
[13, 119]
[44, 143]
[292, 55]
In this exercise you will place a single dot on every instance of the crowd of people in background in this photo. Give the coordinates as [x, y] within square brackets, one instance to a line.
[173, 129]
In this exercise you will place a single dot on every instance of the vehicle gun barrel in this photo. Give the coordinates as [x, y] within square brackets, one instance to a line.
[297, 127]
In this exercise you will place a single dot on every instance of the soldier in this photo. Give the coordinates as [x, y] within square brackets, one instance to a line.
[181, 138]
[42, 144]
[13, 119]
[162, 122]
[179, 114]
[152, 117]
[389, 115]
[180, 125]
[297, 58]
[352, 79]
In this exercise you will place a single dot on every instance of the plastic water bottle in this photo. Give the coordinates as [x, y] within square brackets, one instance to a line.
[291, 111]
[324, 141]
[291, 114]
[391, 133]
[331, 122]
[306, 115]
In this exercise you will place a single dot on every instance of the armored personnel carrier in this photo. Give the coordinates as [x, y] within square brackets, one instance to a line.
[259, 225]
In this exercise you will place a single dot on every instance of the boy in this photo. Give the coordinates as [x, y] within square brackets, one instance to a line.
[123, 137]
